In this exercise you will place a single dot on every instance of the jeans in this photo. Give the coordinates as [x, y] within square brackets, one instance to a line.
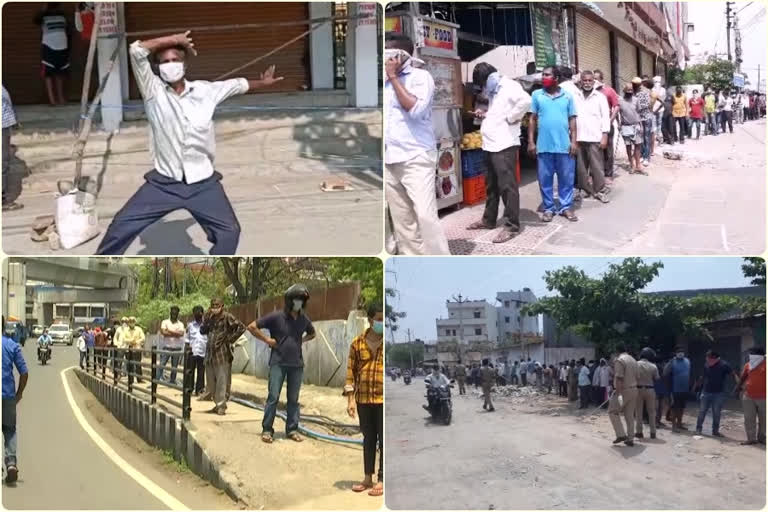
[726, 117]
[372, 426]
[564, 166]
[277, 375]
[6, 157]
[10, 442]
[647, 129]
[712, 123]
[697, 123]
[715, 401]
[83, 359]
[175, 358]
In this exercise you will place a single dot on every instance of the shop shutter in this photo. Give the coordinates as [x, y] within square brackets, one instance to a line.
[21, 55]
[221, 51]
[592, 46]
[627, 61]
[647, 61]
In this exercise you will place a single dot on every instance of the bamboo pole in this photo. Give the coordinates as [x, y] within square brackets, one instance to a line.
[89, 67]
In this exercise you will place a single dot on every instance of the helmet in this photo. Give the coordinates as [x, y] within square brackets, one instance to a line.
[296, 291]
[648, 353]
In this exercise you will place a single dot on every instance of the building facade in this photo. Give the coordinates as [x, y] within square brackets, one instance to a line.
[468, 321]
[511, 320]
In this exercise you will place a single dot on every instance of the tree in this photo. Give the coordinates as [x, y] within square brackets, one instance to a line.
[392, 316]
[399, 354]
[716, 73]
[611, 309]
[754, 268]
[368, 271]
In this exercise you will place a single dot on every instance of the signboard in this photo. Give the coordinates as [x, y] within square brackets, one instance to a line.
[109, 24]
[738, 80]
[548, 37]
[394, 24]
[435, 35]
[367, 9]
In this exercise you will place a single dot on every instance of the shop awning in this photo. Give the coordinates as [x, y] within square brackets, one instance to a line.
[592, 6]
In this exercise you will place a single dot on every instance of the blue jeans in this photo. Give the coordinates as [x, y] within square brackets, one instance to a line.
[564, 166]
[647, 134]
[174, 364]
[715, 401]
[10, 442]
[277, 375]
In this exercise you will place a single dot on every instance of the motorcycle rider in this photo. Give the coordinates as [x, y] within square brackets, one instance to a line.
[436, 380]
[44, 342]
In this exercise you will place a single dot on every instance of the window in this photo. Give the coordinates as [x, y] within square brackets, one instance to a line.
[478, 332]
[506, 319]
[447, 332]
[454, 332]
[97, 311]
[80, 311]
[506, 303]
[477, 314]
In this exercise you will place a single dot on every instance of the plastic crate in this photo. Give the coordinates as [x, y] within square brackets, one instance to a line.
[473, 163]
[474, 190]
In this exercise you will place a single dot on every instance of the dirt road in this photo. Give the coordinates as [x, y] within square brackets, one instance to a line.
[538, 453]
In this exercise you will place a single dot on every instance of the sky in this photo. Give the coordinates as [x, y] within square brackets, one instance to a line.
[708, 18]
[423, 284]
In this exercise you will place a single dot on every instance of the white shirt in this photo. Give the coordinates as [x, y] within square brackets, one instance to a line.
[409, 133]
[728, 104]
[594, 116]
[584, 376]
[54, 31]
[501, 125]
[196, 341]
[9, 115]
[437, 381]
[571, 88]
[564, 373]
[81, 346]
[181, 131]
[170, 341]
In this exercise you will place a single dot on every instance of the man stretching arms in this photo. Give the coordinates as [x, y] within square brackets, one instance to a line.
[180, 115]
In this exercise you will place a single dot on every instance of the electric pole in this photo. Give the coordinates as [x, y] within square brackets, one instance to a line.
[460, 300]
[728, 27]
[410, 347]
[737, 42]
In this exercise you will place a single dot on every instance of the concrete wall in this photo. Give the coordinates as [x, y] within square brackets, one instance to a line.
[511, 61]
[157, 428]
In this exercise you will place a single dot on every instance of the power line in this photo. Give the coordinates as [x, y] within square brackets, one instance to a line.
[750, 3]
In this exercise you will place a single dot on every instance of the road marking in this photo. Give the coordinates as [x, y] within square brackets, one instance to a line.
[151, 487]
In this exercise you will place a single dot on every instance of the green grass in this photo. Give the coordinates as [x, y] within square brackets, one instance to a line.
[168, 460]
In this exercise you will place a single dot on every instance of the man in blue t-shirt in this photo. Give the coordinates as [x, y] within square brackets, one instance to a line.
[713, 395]
[554, 113]
[12, 357]
[678, 372]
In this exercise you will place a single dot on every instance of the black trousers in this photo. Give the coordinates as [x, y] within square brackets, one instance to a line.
[159, 196]
[726, 117]
[609, 157]
[372, 427]
[668, 128]
[584, 392]
[134, 364]
[563, 388]
[501, 184]
[524, 378]
[197, 364]
[681, 124]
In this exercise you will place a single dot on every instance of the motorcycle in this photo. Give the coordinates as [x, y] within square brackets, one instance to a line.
[45, 355]
[407, 379]
[440, 404]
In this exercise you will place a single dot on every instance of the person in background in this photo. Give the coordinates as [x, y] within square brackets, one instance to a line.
[568, 81]
[658, 97]
[613, 104]
[631, 129]
[713, 395]
[680, 113]
[642, 93]
[100, 342]
[222, 330]
[710, 108]
[554, 144]
[678, 371]
[288, 329]
[364, 389]
[720, 95]
[600, 381]
[133, 338]
[461, 377]
[573, 381]
[593, 123]
[487, 378]
[584, 384]
[500, 129]
[514, 374]
[696, 109]
[752, 382]
[662, 396]
[44, 340]
[197, 342]
[9, 121]
[118, 345]
[55, 50]
[12, 395]
[647, 374]
[171, 340]
[90, 343]
[410, 151]
[726, 116]
[82, 348]
[623, 401]
[563, 376]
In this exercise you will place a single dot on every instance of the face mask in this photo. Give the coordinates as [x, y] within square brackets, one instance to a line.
[680, 355]
[378, 326]
[628, 95]
[754, 361]
[171, 72]
[297, 304]
[492, 84]
[547, 82]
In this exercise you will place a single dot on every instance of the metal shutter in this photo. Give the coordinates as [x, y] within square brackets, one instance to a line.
[222, 51]
[592, 45]
[21, 55]
[627, 60]
[647, 61]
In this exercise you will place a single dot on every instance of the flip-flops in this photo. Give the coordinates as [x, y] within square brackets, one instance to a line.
[267, 438]
[376, 491]
[361, 487]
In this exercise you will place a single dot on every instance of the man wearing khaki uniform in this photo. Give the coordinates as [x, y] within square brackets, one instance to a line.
[624, 399]
[647, 373]
[461, 376]
[487, 378]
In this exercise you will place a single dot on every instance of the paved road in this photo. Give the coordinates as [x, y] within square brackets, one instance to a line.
[541, 453]
[60, 467]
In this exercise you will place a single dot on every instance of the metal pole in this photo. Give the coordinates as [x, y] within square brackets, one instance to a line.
[186, 397]
[152, 379]
[410, 347]
[130, 371]
[728, 28]
[115, 353]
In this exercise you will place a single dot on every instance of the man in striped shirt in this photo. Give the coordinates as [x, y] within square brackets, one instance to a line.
[9, 121]
[55, 50]
[364, 390]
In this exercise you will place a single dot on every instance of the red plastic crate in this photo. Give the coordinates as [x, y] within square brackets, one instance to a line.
[474, 190]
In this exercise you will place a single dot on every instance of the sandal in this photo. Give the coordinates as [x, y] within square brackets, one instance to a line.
[377, 490]
[547, 217]
[361, 487]
[568, 214]
[505, 236]
[294, 436]
[480, 225]
[266, 437]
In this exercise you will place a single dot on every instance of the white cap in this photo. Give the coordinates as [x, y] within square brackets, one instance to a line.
[657, 79]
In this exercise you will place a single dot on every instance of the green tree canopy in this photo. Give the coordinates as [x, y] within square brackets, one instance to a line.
[716, 73]
[754, 268]
[399, 354]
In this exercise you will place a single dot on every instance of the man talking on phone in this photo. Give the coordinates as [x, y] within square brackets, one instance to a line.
[507, 104]
[410, 151]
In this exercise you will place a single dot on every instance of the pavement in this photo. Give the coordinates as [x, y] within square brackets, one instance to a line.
[710, 202]
[540, 452]
[273, 165]
[61, 467]
[314, 474]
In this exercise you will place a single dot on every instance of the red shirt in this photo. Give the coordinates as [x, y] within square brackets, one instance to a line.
[613, 98]
[697, 108]
[754, 386]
